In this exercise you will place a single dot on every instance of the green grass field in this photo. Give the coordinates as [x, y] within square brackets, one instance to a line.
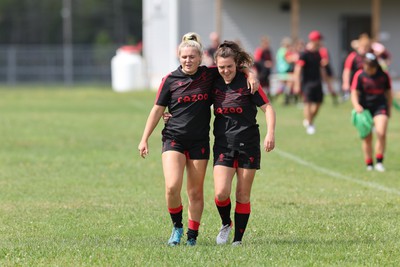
[74, 191]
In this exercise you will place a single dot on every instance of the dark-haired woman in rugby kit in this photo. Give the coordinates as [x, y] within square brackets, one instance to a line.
[185, 137]
[237, 138]
[371, 90]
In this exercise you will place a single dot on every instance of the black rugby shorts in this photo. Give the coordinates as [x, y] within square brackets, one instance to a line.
[192, 150]
[378, 110]
[312, 92]
[246, 158]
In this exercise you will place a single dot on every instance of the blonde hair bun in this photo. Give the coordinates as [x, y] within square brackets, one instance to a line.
[191, 36]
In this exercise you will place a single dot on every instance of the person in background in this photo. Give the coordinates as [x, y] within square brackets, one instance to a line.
[326, 63]
[354, 62]
[237, 138]
[371, 90]
[308, 76]
[292, 56]
[185, 137]
[264, 63]
[209, 52]
[383, 54]
[285, 58]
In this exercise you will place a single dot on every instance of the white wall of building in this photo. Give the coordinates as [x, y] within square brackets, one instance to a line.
[248, 20]
[160, 39]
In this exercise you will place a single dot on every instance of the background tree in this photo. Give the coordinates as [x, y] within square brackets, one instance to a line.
[40, 21]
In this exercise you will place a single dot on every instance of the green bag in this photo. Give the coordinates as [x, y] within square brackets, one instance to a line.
[396, 104]
[363, 122]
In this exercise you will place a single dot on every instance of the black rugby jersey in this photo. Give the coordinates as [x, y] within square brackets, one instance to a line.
[235, 110]
[311, 63]
[354, 62]
[371, 89]
[188, 100]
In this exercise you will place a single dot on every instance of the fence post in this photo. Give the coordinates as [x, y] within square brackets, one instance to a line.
[68, 64]
[12, 65]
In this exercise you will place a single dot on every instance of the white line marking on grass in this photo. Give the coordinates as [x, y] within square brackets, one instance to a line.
[335, 174]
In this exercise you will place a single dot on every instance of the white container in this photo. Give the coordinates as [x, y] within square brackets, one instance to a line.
[127, 70]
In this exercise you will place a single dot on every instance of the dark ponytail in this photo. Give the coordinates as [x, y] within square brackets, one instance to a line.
[232, 49]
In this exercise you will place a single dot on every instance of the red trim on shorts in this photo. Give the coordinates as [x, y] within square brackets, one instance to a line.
[243, 208]
[235, 164]
[175, 210]
[223, 203]
[187, 155]
[193, 225]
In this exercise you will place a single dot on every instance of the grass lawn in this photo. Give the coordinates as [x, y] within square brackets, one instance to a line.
[74, 191]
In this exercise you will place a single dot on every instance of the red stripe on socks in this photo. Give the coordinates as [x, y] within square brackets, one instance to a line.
[193, 225]
[242, 208]
[175, 210]
[223, 203]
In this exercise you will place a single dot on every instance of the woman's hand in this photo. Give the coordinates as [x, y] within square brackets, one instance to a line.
[252, 82]
[358, 108]
[269, 142]
[143, 149]
[166, 116]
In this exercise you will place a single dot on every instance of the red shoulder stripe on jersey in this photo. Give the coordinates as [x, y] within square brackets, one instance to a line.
[161, 87]
[349, 60]
[263, 95]
[300, 62]
[323, 51]
[257, 54]
[354, 83]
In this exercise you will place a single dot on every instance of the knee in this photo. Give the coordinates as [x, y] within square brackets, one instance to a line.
[381, 135]
[196, 195]
[172, 191]
[222, 195]
[242, 197]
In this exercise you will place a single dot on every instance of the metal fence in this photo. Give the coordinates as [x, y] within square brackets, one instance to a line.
[21, 64]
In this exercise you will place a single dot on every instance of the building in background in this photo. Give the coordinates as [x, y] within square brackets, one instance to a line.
[66, 41]
[340, 21]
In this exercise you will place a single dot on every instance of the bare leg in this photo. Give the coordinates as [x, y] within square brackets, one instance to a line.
[196, 171]
[381, 123]
[173, 166]
[314, 108]
[367, 147]
[223, 177]
[245, 181]
[307, 113]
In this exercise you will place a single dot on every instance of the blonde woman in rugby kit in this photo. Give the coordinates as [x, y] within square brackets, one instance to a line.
[185, 137]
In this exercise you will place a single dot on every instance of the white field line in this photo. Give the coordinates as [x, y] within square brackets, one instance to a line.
[335, 174]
